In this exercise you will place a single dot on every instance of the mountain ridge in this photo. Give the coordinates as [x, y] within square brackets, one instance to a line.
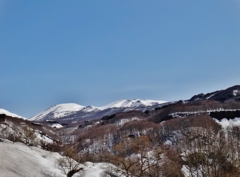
[75, 112]
[3, 111]
[229, 94]
[79, 112]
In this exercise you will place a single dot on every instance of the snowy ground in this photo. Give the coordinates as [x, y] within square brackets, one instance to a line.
[19, 160]
[229, 122]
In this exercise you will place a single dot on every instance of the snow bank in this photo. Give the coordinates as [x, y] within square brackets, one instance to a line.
[19, 160]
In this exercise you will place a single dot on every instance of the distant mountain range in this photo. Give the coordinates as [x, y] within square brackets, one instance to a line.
[71, 112]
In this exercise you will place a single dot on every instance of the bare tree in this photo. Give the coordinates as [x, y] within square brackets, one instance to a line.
[71, 162]
[136, 158]
[207, 153]
[28, 135]
[170, 163]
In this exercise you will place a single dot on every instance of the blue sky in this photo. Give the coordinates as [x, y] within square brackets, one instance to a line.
[95, 52]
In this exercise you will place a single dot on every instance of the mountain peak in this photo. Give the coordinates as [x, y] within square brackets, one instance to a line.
[59, 110]
[75, 111]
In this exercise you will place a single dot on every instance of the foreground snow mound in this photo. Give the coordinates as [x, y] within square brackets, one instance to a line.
[19, 160]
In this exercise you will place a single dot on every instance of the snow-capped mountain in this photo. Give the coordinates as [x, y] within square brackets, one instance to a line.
[3, 111]
[62, 110]
[131, 104]
[74, 112]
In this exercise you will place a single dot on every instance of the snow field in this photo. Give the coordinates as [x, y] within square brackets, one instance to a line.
[19, 160]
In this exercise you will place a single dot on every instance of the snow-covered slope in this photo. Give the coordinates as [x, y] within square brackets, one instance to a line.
[131, 103]
[61, 110]
[3, 111]
[19, 160]
[72, 111]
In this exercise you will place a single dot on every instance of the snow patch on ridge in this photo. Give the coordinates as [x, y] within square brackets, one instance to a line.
[225, 123]
[56, 125]
[3, 111]
[236, 92]
[18, 160]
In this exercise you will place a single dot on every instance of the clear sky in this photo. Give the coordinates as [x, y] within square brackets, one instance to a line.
[93, 52]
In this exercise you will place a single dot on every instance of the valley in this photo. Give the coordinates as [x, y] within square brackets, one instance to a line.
[133, 138]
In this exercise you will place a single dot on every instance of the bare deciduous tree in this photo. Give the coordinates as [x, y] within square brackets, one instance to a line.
[207, 153]
[28, 135]
[71, 162]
